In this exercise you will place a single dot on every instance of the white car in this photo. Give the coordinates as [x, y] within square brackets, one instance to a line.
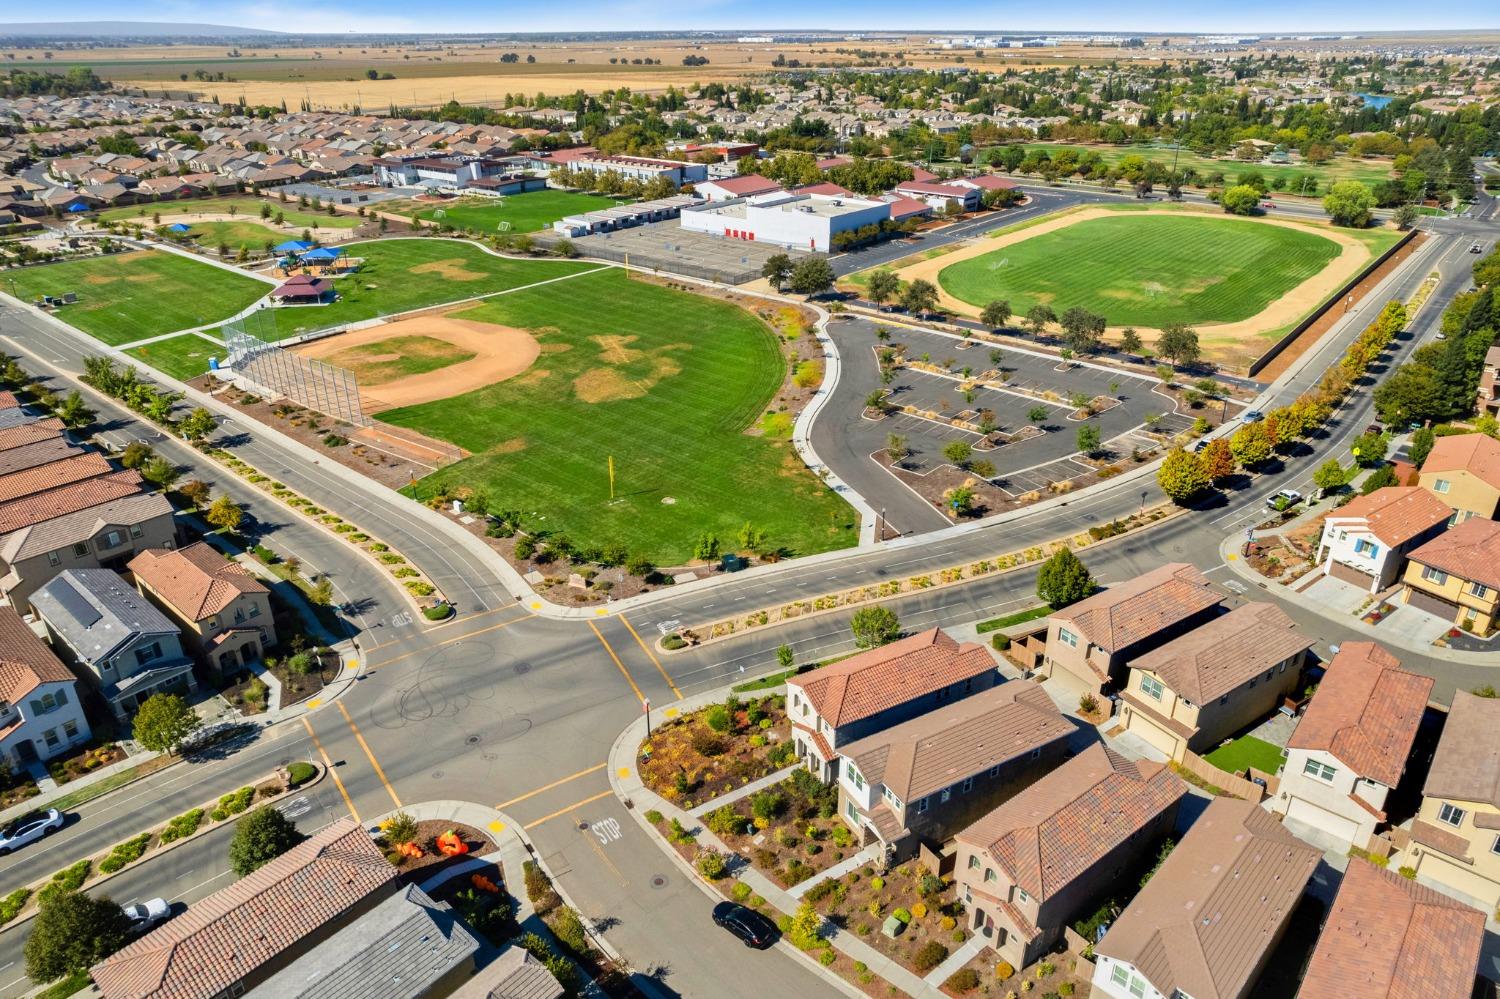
[1283, 499]
[29, 828]
[144, 915]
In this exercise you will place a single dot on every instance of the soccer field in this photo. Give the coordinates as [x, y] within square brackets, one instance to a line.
[1146, 270]
[183, 357]
[666, 383]
[129, 296]
[529, 212]
[244, 206]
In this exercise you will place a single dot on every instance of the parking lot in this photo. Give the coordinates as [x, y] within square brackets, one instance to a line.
[667, 246]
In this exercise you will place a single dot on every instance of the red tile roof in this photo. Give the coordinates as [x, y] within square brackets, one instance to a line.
[196, 580]
[826, 187]
[1365, 713]
[67, 499]
[77, 467]
[1478, 454]
[25, 660]
[1122, 615]
[928, 187]
[226, 936]
[903, 208]
[8, 399]
[1390, 938]
[30, 433]
[1059, 827]
[1470, 551]
[1396, 514]
[878, 679]
[745, 185]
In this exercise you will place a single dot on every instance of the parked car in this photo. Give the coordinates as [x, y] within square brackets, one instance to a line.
[29, 828]
[1283, 499]
[750, 926]
[1375, 429]
[1199, 445]
[145, 915]
[1253, 416]
[1477, 248]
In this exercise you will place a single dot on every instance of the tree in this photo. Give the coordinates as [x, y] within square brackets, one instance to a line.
[136, 454]
[1217, 460]
[1370, 449]
[777, 269]
[260, 838]
[1348, 203]
[811, 276]
[1178, 343]
[225, 514]
[163, 721]
[1411, 392]
[1240, 199]
[71, 932]
[196, 491]
[1082, 330]
[197, 425]
[895, 448]
[960, 500]
[958, 452]
[74, 412]
[1181, 476]
[1421, 446]
[161, 473]
[883, 287]
[1329, 475]
[919, 297]
[1064, 579]
[1038, 316]
[1130, 341]
[1088, 439]
[784, 656]
[321, 592]
[874, 626]
[996, 313]
[1250, 445]
[1405, 216]
[1037, 414]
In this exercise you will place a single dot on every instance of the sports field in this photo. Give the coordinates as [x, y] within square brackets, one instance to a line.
[398, 357]
[251, 235]
[244, 206]
[663, 381]
[129, 296]
[183, 357]
[529, 212]
[1146, 270]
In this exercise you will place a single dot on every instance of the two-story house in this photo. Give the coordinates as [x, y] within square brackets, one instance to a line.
[839, 703]
[1095, 639]
[1387, 937]
[1351, 746]
[113, 638]
[1489, 383]
[1455, 839]
[1037, 861]
[924, 779]
[1456, 576]
[1366, 541]
[1206, 923]
[225, 612]
[41, 715]
[1199, 689]
[1464, 472]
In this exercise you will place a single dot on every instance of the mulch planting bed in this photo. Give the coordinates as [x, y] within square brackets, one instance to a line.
[789, 830]
[84, 761]
[417, 869]
[986, 975]
[863, 900]
[698, 756]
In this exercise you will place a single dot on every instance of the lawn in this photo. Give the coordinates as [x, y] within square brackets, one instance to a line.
[663, 381]
[245, 205]
[398, 357]
[1247, 751]
[1147, 270]
[251, 235]
[182, 357]
[129, 296]
[403, 274]
[529, 212]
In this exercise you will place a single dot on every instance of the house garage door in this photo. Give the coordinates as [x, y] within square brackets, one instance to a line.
[1147, 729]
[1349, 574]
[1321, 818]
[1432, 604]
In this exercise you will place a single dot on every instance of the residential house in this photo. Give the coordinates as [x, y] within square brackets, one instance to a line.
[940, 196]
[1203, 687]
[514, 974]
[1036, 862]
[113, 638]
[1350, 747]
[849, 700]
[1206, 923]
[231, 942]
[1455, 839]
[924, 779]
[224, 612]
[1456, 576]
[1464, 472]
[1489, 383]
[1366, 541]
[743, 186]
[41, 715]
[1096, 638]
[1387, 937]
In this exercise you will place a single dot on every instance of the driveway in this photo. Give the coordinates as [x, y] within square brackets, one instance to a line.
[1411, 627]
[1337, 595]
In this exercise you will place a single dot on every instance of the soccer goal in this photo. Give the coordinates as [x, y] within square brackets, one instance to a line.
[503, 226]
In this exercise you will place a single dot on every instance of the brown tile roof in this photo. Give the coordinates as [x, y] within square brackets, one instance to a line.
[1056, 829]
[196, 580]
[226, 936]
[1445, 840]
[819, 740]
[1478, 454]
[1470, 551]
[1466, 765]
[30, 433]
[1206, 918]
[878, 679]
[1123, 615]
[49, 449]
[8, 400]
[1153, 711]
[81, 525]
[55, 503]
[1215, 658]
[971, 735]
[1396, 514]
[1365, 713]
[1390, 938]
[25, 660]
[80, 467]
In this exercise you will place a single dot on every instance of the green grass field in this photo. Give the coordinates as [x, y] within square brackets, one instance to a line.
[245, 205]
[398, 357]
[130, 296]
[182, 357]
[1146, 270]
[665, 382]
[403, 274]
[1247, 751]
[529, 212]
[251, 235]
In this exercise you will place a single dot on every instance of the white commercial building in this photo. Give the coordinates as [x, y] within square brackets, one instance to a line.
[801, 221]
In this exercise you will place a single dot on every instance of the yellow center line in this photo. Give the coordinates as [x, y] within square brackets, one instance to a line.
[652, 656]
[564, 811]
[623, 671]
[366, 747]
[457, 638]
[548, 787]
[331, 772]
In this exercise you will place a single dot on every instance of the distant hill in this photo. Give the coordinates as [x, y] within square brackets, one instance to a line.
[124, 29]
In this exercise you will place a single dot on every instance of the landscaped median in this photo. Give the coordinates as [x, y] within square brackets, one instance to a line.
[954, 575]
[22, 902]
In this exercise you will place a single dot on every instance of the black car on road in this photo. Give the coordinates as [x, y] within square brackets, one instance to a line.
[750, 926]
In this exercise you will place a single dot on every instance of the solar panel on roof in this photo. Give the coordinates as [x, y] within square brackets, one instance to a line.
[74, 602]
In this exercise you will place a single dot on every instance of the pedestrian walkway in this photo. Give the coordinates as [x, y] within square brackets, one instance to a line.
[742, 792]
[970, 950]
[868, 855]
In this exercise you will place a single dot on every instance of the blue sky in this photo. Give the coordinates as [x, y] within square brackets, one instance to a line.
[1272, 16]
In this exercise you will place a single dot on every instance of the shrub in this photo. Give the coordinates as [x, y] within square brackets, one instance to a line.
[1409, 873]
[877, 883]
[1066, 989]
[182, 826]
[930, 886]
[842, 837]
[718, 718]
[677, 834]
[233, 803]
[399, 829]
[919, 911]
[539, 888]
[711, 865]
[124, 853]
[1004, 971]
[903, 914]
[568, 928]
[1044, 969]
[821, 890]
[68, 879]
[947, 922]
[653, 816]
[1000, 643]
[11, 904]
[725, 821]
[299, 773]
[964, 980]
[828, 956]
[740, 892]
[672, 642]
[929, 956]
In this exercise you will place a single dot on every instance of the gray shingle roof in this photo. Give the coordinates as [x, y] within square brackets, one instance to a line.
[96, 612]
